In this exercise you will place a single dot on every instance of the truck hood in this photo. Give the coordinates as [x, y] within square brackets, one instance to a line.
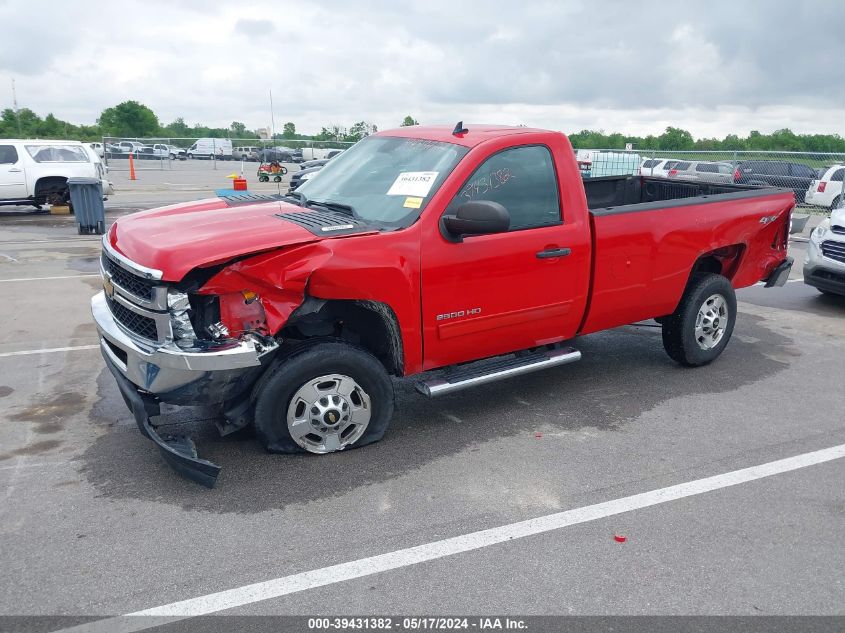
[181, 237]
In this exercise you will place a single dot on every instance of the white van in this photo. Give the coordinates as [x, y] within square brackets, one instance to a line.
[218, 148]
[34, 172]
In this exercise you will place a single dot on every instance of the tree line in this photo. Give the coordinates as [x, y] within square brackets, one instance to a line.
[131, 119]
[677, 139]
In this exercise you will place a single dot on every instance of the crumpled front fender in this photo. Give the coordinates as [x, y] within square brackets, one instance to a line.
[280, 278]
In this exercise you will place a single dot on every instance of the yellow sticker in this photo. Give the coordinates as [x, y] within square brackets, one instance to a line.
[413, 203]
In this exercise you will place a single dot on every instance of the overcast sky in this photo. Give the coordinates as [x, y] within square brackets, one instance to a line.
[711, 67]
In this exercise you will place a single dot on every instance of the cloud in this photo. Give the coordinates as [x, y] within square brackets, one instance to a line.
[254, 28]
[713, 68]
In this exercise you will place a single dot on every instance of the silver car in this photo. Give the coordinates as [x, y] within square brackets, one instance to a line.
[703, 171]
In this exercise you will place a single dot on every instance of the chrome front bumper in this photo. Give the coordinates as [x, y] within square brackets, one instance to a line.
[176, 375]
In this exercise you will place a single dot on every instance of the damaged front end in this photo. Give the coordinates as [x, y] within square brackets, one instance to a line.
[171, 343]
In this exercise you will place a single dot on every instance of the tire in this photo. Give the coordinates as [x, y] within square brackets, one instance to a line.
[351, 386]
[708, 299]
[277, 179]
[836, 202]
[191, 156]
[101, 228]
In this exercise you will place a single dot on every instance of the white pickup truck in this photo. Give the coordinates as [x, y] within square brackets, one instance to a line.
[35, 172]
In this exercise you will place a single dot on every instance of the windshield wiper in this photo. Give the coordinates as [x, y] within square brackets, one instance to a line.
[300, 198]
[335, 206]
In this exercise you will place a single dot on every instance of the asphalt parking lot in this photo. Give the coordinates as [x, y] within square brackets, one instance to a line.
[93, 522]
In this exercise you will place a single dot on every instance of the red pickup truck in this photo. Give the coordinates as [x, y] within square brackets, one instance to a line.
[417, 249]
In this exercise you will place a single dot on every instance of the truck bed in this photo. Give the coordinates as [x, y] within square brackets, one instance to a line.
[648, 233]
[617, 191]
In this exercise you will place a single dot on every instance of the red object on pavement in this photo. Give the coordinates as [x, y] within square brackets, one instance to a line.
[619, 538]
[239, 184]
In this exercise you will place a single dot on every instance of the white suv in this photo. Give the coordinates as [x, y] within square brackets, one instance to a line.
[657, 167]
[827, 191]
[824, 265]
[35, 172]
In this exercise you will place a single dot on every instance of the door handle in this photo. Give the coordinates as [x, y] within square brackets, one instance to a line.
[14, 169]
[553, 252]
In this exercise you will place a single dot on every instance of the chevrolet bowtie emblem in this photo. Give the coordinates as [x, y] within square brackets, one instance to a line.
[108, 287]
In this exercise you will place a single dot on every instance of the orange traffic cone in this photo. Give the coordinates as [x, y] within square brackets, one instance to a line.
[131, 168]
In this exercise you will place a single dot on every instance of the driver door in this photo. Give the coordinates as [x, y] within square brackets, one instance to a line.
[12, 174]
[486, 295]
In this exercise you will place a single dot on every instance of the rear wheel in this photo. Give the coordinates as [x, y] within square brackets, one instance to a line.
[837, 202]
[698, 331]
[322, 398]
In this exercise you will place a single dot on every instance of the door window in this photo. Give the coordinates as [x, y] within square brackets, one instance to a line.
[57, 154]
[709, 168]
[8, 155]
[521, 179]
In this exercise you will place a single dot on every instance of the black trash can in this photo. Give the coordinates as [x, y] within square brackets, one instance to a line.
[86, 196]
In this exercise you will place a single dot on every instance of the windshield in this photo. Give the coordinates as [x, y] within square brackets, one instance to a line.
[57, 153]
[386, 180]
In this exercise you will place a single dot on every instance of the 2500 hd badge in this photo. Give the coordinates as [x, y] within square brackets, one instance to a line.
[458, 314]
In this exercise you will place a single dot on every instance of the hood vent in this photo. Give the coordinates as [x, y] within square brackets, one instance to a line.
[250, 198]
[326, 223]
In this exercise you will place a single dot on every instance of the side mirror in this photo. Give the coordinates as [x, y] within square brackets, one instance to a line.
[477, 217]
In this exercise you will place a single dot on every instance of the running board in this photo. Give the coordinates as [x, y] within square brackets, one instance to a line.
[497, 370]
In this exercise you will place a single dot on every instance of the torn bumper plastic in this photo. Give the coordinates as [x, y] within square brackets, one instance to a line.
[178, 451]
[780, 274]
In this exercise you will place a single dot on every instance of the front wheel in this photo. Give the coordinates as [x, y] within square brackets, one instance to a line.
[698, 331]
[322, 398]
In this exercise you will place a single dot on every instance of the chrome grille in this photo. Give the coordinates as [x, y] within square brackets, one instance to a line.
[132, 321]
[834, 250]
[840, 230]
[138, 286]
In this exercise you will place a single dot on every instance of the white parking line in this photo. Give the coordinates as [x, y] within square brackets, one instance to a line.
[46, 278]
[65, 240]
[248, 594]
[49, 350]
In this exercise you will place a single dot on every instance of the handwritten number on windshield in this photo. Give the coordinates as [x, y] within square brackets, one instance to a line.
[487, 182]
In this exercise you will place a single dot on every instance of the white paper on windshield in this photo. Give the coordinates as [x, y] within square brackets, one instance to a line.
[413, 183]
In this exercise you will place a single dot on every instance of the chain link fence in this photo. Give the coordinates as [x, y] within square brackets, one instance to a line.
[815, 178]
[166, 153]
